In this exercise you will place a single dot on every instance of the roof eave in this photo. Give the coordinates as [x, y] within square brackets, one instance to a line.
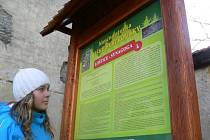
[69, 9]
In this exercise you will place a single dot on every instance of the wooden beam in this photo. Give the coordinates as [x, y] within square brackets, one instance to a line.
[64, 30]
[185, 119]
[69, 110]
[69, 9]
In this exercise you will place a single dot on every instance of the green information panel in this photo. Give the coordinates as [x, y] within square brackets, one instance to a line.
[123, 88]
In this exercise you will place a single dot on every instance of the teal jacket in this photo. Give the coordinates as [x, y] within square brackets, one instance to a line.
[11, 130]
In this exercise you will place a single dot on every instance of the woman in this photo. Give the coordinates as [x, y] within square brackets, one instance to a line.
[27, 118]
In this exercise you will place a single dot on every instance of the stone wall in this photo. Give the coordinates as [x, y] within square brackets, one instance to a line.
[22, 46]
[203, 90]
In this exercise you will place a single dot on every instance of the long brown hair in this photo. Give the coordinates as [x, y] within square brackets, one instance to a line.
[22, 112]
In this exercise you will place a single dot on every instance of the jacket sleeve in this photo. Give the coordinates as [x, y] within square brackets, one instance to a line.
[9, 130]
[4, 128]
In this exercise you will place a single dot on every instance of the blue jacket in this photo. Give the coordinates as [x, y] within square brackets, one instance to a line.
[11, 130]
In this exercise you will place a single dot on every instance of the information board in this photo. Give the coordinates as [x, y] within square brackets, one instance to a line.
[123, 88]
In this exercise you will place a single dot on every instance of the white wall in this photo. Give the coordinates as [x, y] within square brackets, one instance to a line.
[198, 23]
[22, 46]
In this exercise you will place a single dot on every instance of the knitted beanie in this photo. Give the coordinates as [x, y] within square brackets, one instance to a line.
[27, 80]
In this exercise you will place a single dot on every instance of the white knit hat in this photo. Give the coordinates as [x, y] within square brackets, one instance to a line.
[27, 80]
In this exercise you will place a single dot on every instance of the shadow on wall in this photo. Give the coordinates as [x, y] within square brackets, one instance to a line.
[63, 72]
[5, 26]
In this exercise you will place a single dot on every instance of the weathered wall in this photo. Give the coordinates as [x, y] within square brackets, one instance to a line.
[22, 46]
[198, 23]
[203, 89]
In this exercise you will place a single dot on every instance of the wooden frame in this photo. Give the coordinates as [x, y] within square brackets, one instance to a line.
[185, 120]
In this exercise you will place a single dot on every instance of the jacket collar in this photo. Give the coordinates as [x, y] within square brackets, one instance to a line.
[39, 118]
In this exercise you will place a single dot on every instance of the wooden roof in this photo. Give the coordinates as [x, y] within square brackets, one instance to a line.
[83, 13]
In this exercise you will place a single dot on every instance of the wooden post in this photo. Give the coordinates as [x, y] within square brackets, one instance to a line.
[67, 126]
[182, 87]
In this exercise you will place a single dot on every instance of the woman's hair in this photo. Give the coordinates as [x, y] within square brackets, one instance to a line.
[22, 112]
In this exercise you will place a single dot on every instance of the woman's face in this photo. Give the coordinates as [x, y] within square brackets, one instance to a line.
[41, 98]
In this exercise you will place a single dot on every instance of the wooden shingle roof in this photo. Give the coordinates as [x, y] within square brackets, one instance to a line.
[63, 17]
[84, 13]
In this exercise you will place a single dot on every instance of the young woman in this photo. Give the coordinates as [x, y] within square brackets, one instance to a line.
[27, 118]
